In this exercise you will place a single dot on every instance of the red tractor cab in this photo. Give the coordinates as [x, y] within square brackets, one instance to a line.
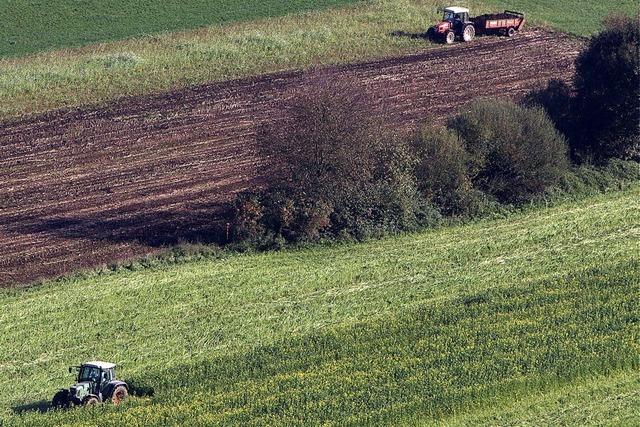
[455, 24]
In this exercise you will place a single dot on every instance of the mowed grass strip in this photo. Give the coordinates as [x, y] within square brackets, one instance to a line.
[601, 400]
[160, 62]
[420, 364]
[532, 278]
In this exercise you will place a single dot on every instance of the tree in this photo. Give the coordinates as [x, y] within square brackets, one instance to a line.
[334, 168]
[607, 84]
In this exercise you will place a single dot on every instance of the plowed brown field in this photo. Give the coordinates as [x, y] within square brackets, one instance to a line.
[85, 187]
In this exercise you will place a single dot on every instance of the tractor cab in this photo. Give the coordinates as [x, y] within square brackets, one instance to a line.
[97, 373]
[453, 14]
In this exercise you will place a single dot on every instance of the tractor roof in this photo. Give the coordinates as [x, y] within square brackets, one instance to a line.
[456, 9]
[101, 365]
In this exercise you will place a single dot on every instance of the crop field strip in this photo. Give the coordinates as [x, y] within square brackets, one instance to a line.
[68, 24]
[488, 322]
[85, 187]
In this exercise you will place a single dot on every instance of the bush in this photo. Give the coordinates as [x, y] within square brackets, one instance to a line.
[607, 86]
[328, 140]
[441, 170]
[334, 170]
[557, 100]
[515, 153]
[588, 179]
[265, 220]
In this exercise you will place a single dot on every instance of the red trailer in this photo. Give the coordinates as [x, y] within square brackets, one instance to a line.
[507, 23]
[457, 25]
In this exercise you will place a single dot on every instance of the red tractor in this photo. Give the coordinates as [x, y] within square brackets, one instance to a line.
[457, 25]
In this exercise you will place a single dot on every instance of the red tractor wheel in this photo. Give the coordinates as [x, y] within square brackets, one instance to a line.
[119, 394]
[511, 32]
[450, 37]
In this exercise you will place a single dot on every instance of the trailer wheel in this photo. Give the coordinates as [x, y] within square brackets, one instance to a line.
[450, 37]
[511, 32]
[469, 33]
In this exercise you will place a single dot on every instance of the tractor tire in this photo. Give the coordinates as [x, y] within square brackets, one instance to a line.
[119, 394]
[469, 33]
[450, 37]
[90, 401]
[61, 400]
[511, 32]
[431, 34]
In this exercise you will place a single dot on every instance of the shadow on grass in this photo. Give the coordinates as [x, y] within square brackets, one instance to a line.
[41, 406]
[413, 36]
[139, 388]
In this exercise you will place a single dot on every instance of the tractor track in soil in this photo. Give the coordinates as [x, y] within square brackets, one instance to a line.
[89, 186]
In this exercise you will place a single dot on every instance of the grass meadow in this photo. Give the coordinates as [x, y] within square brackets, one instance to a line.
[31, 27]
[162, 61]
[572, 16]
[528, 318]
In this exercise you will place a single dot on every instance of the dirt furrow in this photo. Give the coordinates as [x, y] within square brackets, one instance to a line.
[88, 186]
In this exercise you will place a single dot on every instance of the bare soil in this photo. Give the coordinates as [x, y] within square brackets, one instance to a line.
[87, 187]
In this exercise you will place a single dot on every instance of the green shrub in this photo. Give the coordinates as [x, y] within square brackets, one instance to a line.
[264, 219]
[607, 86]
[334, 170]
[515, 153]
[441, 170]
[557, 100]
[587, 179]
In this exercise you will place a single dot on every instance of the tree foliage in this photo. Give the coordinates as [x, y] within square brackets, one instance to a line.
[607, 87]
[515, 153]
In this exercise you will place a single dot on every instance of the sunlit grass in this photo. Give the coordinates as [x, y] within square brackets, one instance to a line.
[270, 337]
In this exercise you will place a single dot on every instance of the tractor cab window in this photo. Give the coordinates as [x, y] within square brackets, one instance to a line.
[450, 16]
[89, 373]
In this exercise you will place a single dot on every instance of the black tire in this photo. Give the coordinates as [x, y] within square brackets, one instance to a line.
[90, 401]
[61, 400]
[511, 32]
[450, 37]
[469, 33]
[119, 394]
[431, 34]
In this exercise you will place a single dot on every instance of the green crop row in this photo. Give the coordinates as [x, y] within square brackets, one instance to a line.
[420, 327]
[612, 399]
[426, 363]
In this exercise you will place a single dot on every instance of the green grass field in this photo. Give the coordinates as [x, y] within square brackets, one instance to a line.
[30, 27]
[582, 17]
[159, 62]
[527, 319]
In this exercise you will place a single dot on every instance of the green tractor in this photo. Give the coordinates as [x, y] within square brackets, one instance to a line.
[95, 383]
